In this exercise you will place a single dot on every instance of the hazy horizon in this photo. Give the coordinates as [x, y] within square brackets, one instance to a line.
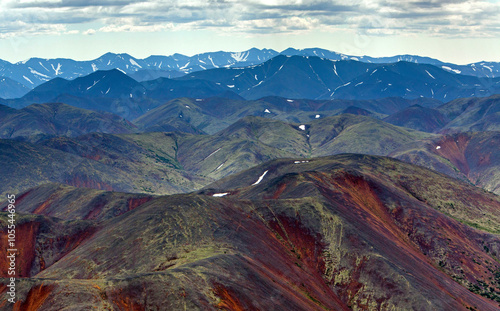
[146, 55]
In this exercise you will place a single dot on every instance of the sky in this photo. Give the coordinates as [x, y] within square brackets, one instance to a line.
[455, 31]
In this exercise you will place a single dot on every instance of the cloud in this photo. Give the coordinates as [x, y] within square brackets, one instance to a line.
[376, 17]
[56, 4]
[89, 32]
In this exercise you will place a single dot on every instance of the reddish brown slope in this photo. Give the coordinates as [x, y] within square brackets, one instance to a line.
[66, 202]
[475, 155]
[40, 242]
[343, 232]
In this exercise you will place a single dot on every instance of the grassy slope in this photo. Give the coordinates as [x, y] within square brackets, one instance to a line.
[55, 119]
[467, 156]
[358, 134]
[67, 202]
[212, 115]
[473, 114]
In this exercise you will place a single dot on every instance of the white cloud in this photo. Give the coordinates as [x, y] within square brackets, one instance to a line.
[381, 17]
[89, 32]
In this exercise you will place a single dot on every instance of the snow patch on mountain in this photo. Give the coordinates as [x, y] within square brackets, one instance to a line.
[211, 154]
[33, 71]
[95, 82]
[487, 67]
[43, 66]
[57, 70]
[240, 56]
[451, 69]
[338, 87]
[335, 70]
[133, 62]
[260, 179]
[185, 66]
[28, 80]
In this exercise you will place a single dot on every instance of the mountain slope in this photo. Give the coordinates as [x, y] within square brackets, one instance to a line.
[211, 115]
[11, 89]
[418, 118]
[36, 71]
[357, 134]
[292, 77]
[344, 232]
[69, 203]
[164, 163]
[410, 80]
[472, 157]
[318, 78]
[112, 83]
[473, 114]
[115, 92]
[147, 75]
[164, 89]
[55, 119]
[20, 159]
[100, 161]
[253, 140]
[478, 69]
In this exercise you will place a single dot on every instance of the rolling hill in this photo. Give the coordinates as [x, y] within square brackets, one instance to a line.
[40, 121]
[419, 118]
[473, 114]
[472, 157]
[164, 163]
[343, 232]
[98, 161]
[69, 203]
[214, 114]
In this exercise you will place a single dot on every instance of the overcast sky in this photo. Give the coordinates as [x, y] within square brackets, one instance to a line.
[450, 30]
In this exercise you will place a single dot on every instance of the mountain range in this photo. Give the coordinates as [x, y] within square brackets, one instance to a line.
[292, 77]
[36, 71]
[300, 180]
[319, 78]
[164, 163]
